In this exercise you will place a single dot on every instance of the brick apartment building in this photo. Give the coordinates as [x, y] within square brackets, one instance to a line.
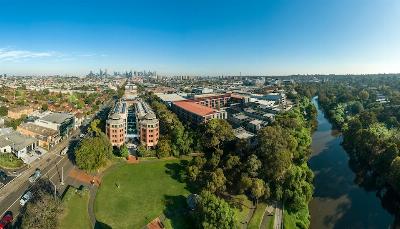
[192, 112]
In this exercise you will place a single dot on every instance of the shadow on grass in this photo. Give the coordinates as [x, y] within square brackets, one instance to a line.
[100, 225]
[177, 211]
[177, 170]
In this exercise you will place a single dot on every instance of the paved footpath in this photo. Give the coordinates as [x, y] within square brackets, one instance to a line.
[278, 221]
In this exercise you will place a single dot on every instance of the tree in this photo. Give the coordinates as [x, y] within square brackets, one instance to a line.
[215, 181]
[43, 211]
[257, 189]
[216, 133]
[123, 151]
[94, 127]
[164, 148]
[253, 165]
[364, 95]
[93, 152]
[3, 111]
[213, 212]
[45, 107]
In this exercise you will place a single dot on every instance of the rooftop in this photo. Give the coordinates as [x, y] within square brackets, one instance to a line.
[57, 117]
[17, 140]
[241, 133]
[195, 108]
[38, 129]
[170, 97]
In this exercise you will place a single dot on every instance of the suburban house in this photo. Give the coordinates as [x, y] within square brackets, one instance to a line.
[18, 112]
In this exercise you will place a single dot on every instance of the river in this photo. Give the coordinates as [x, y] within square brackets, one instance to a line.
[338, 202]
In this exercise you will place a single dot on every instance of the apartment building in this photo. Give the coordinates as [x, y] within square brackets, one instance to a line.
[195, 113]
[218, 101]
[148, 128]
[116, 124]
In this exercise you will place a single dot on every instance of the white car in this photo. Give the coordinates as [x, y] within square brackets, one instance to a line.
[35, 176]
[25, 198]
[82, 135]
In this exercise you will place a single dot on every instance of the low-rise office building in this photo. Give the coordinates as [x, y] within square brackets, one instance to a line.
[64, 123]
[47, 137]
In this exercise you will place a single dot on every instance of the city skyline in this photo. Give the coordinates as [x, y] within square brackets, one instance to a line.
[200, 38]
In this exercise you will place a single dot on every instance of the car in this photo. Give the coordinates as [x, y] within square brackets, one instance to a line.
[25, 198]
[64, 151]
[3, 175]
[82, 135]
[6, 221]
[35, 176]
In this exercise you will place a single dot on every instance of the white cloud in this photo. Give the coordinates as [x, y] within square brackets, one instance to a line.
[15, 55]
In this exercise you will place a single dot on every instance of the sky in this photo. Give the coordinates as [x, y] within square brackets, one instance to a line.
[200, 37]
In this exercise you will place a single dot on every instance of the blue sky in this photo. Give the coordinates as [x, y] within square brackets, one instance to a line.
[206, 37]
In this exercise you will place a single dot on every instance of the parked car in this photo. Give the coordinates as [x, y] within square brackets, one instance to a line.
[25, 198]
[64, 151]
[3, 175]
[6, 221]
[35, 176]
[82, 135]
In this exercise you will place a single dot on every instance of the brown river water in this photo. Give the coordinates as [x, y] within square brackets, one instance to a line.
[338, 202]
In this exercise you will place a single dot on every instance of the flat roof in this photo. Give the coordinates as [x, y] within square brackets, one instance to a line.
[57, 117]
[241, 133]
[195, 108]
[17, 140]
[170, 97]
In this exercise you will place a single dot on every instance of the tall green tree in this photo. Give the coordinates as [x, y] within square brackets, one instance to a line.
[213, 212]
[43, 211]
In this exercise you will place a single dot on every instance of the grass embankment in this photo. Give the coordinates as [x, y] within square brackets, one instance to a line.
[257, 216]
[75, 213]
[10, 161]
[289, 221]
[131, 196]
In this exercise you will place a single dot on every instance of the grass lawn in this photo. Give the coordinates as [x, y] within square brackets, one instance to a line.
[271, 222]
[10, 161]
[131, 196]
[257, 216]
[289, 220]
[75, 210]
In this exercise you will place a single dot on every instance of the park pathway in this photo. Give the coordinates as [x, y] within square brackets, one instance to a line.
[92, 197]
[267, 216]
[278, 221]
[245, 222]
